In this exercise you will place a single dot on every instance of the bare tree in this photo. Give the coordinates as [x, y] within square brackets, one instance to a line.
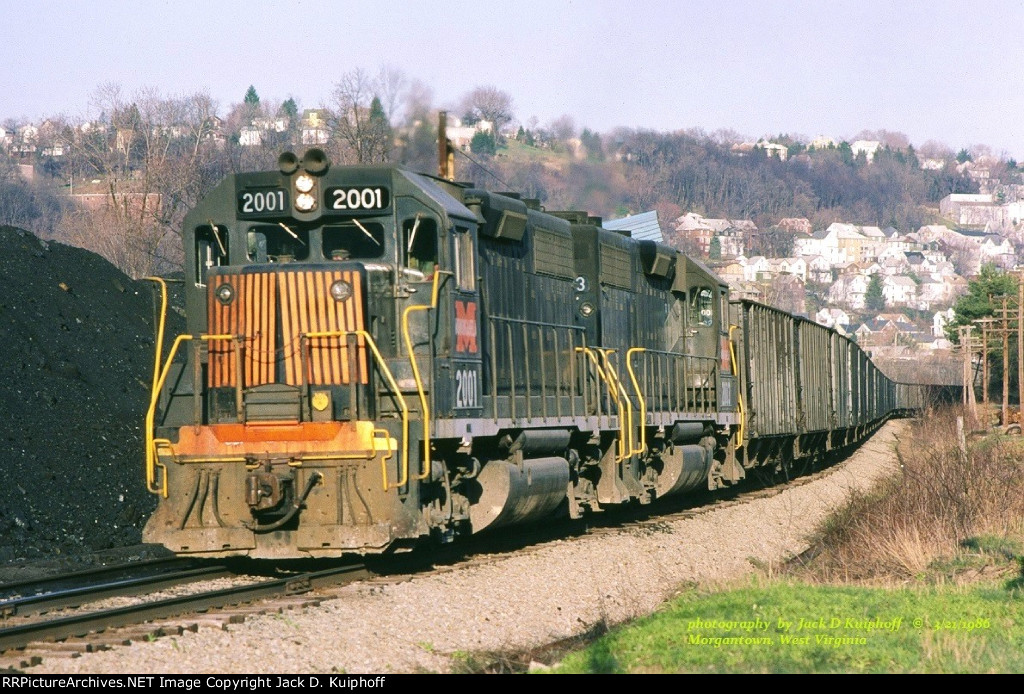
[491, 104]
[933, 149]
[360, 125]
[156, 157]
[391, 86]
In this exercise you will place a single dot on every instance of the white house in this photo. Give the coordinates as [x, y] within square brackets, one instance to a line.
[757, 268]
[899, 290]
[865, 147]
[849, 290]
[831, 317]
[940, 320]
[818, 269]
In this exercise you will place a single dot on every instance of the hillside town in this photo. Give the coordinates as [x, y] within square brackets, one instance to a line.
[831, 274]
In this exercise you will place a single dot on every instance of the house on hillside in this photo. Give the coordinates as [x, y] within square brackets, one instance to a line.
[832, 317]
[866, 147]
[796, 225]
[818, 269]
[757, 269]
[849, 291]
[313, 127]
[899, 290]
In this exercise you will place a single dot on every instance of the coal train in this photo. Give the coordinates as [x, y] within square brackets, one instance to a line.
[376, 357]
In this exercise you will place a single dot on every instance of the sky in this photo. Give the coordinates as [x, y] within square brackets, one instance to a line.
[944, 71]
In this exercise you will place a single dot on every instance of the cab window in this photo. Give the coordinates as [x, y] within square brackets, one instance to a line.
[702, 310]
[465, 266]
[277, 244]
[419, 247]
[353, 239]
[211, 250]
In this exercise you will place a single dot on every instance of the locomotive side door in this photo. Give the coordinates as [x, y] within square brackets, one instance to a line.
[466, 396]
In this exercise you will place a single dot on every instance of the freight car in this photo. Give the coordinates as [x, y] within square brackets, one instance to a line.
[376, 356]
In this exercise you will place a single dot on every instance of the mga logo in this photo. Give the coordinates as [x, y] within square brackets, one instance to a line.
[465, 326]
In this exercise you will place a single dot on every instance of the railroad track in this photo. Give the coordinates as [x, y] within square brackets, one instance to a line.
[26, 641]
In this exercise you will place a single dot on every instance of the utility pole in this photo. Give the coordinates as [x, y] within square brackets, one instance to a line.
[986, 333]
[1005, 420]
[970, 402]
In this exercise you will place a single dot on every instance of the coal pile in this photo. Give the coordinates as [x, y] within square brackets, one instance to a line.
[76, 338]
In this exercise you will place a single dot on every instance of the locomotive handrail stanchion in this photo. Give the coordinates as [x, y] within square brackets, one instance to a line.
[625, 427]
[511, 372]
[739, 395]
[398, 394]
[600, 372]
[543, 376]
[424, 407]
[558, 374]
[197, 390]
[236, 346]
[160, 326]
[640, 396]
[494, 369]
[527, 390]
[625, 422]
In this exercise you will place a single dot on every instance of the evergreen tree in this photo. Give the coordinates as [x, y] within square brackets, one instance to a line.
[379, 134]
[289, 109]
[874, 298]
[984, 295]
[715, 248]
[251, 97]
[483, 143]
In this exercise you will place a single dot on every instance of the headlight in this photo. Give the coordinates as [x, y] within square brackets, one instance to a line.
[304, 202]
[304, 183]
[586, 308]
[225, 293]
[341, 290]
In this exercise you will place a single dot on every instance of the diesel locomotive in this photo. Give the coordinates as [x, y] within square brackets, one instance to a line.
[376, 356]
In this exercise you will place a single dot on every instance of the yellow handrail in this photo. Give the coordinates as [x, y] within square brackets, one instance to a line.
[625, 426]
[640, 396]
[739, 395]
[151, 412]
[612, 390]
[152, 442]
[398, 394]
[424, 407]
[160, 326]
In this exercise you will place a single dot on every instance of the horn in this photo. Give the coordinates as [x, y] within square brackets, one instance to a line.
[288, 163]
[315, 161]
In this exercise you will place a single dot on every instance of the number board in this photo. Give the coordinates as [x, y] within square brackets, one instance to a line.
[356, 198]
[262, 202]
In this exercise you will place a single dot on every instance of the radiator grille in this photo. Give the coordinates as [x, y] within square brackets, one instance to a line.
[270, 313]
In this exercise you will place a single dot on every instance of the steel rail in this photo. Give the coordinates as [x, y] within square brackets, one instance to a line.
[83, 624]
[76, 596]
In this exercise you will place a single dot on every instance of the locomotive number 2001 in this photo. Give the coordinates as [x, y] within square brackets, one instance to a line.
[375, 198]
[267, 201]
[466, 389]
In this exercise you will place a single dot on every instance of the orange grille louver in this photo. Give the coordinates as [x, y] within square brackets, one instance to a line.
[302, 302]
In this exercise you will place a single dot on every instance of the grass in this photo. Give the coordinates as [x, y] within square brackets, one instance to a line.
[923, 574]
[790, 627]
